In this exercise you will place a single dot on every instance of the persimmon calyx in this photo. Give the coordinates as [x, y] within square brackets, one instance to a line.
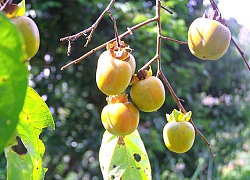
[144, 74]
[119, 98]
[178, 116]
[13, 10]
[121, 51]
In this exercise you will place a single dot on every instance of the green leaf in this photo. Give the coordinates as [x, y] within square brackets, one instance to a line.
[13, 78]
[124, 158]
[27, 162]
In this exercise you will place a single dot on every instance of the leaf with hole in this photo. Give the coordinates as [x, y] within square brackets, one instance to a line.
[25, 155]
[124, 157]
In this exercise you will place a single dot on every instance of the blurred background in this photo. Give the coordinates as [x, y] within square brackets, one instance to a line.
[217, 92]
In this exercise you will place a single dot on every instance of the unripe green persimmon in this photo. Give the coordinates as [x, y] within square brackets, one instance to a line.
[178, 133]
[178, 136]
[208, 39]
[30, 33]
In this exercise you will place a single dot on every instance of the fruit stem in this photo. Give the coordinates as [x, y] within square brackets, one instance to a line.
[116, 30]
[180, 106]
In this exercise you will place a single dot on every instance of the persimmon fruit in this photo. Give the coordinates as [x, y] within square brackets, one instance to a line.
[178, 133]
[208, 39]
[30, 33]
[148, 94]
[120, 117]
[113, 75]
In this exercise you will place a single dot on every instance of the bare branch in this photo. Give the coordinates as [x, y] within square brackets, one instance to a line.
[128, 32]
[90, 29]
[148, 63]
[158, 45]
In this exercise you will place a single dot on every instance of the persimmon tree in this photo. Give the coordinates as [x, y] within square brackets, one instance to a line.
[121, 155]
[203, 38]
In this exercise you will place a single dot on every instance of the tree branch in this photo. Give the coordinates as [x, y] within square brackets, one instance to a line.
[128, 32]
[91, 29]
[216, 9]
[241, 53]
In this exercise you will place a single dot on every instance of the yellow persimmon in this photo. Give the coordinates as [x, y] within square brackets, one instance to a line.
[208, 39]
[120, 117]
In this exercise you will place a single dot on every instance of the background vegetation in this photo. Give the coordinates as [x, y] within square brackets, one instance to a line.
[216, 92]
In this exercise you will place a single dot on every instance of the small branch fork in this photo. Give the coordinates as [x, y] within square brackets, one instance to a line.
[91, 29]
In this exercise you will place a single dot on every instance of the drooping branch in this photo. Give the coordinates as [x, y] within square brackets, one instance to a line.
[216, 9]
[241, 53]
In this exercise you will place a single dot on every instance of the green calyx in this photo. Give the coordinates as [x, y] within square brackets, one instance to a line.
[178, 116]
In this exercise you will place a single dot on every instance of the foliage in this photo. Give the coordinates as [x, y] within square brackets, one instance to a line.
[12, 85]
[23, 112]
[26, 162]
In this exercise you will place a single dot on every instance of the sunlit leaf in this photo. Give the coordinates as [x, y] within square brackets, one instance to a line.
[124, 158]
[13, 78]
[27, 164]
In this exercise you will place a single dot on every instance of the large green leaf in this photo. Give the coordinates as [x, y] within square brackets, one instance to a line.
[25, 157]
[124, 158]
[13, 78]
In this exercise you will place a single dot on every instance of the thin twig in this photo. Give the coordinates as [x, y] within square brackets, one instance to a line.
[90, 29]
[148, 63]
[166, 9]
[174, 40]
[115, 28]
[241, 53]
[128, 32]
